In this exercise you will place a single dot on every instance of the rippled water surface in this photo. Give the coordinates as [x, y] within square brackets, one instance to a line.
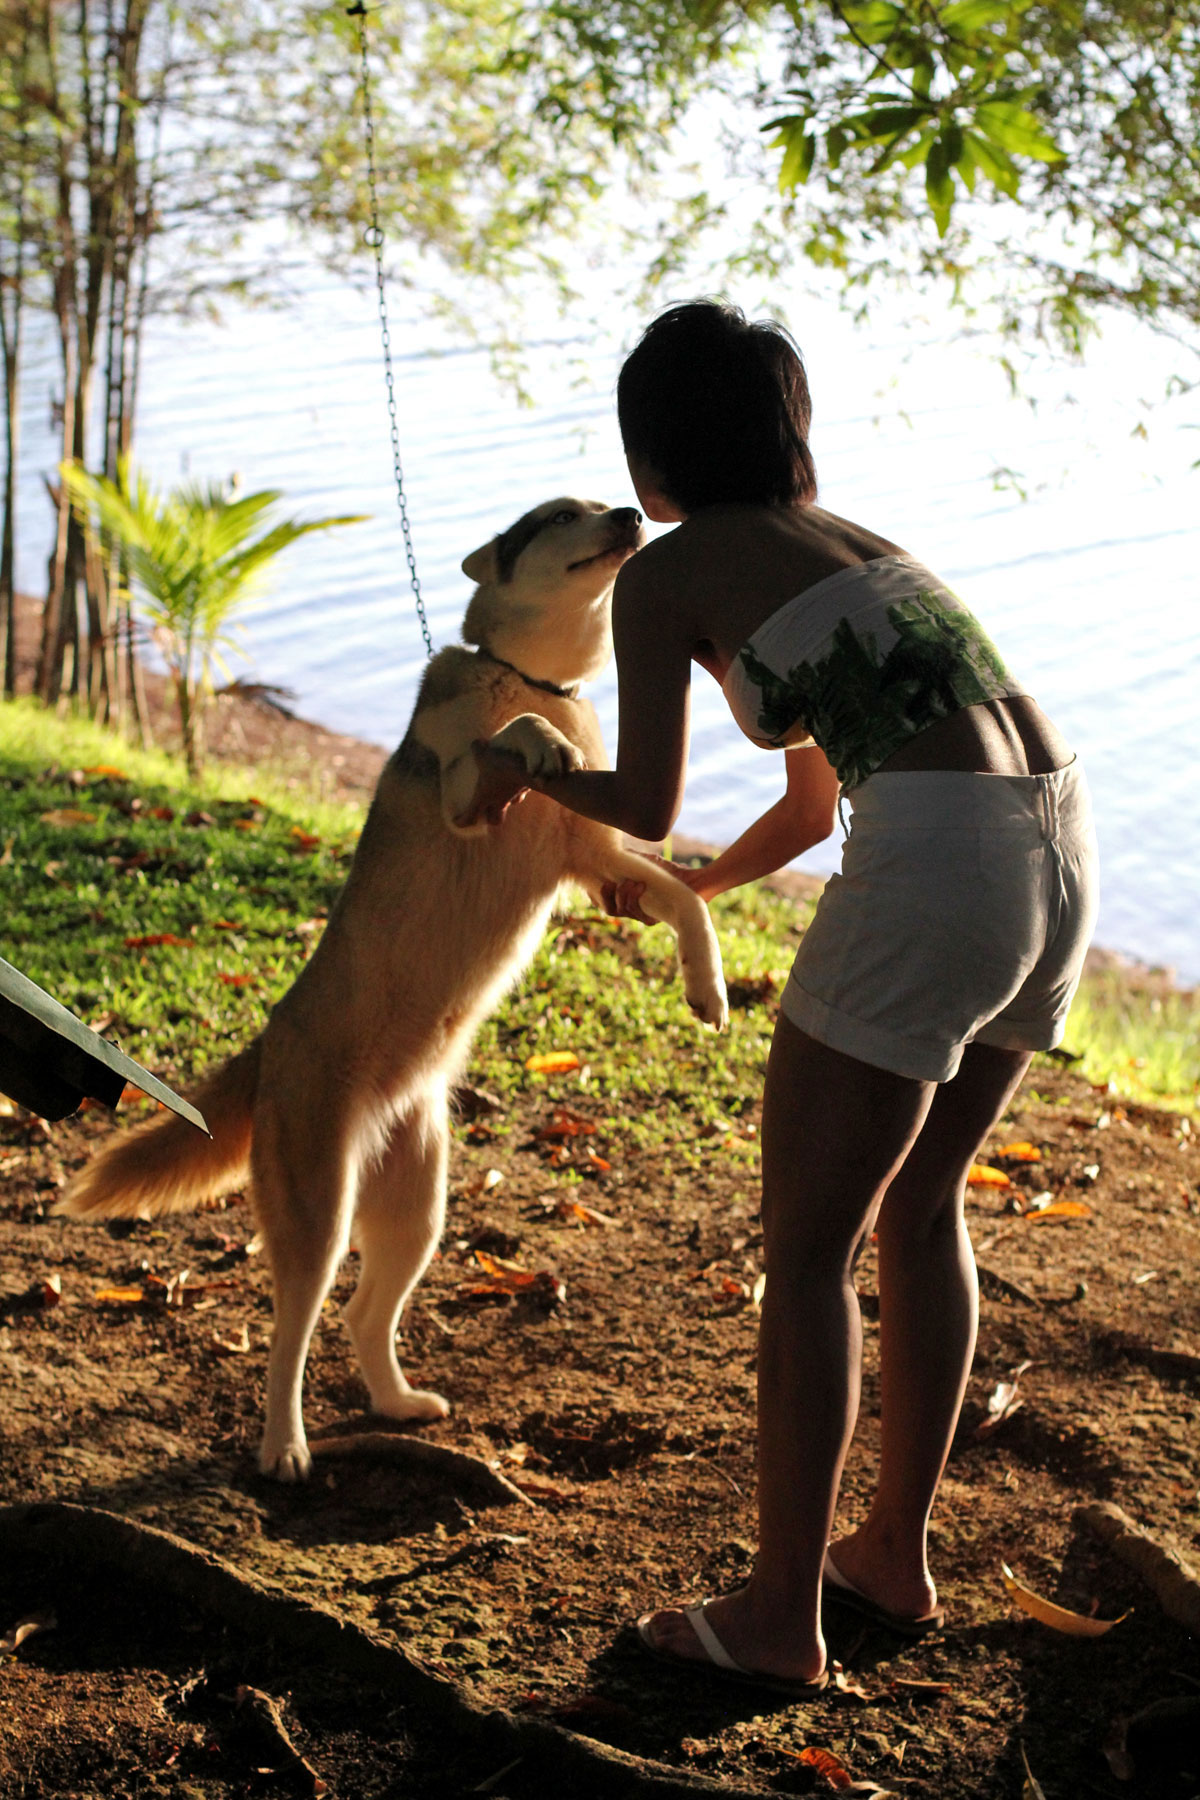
[1088, 585]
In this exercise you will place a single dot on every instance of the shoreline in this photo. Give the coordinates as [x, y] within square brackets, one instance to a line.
[251, 724]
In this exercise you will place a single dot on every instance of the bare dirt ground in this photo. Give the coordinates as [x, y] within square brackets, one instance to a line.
[617, 1391]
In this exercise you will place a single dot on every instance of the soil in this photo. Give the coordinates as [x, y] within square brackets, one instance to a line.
[615, 1391]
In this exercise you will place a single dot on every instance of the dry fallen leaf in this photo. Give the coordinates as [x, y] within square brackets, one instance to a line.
[586, 1215]
[1003, 1402]
[120, 1296]
[983, 1175]
[231, 1346]
[552, 1062]
[1060, 1209]
[1021, 1152]
[1031, 1788]
[158, 937]
[67, 815]
[25, 1628]
[1047, 1612]
[564, 1123]
[825, 1763]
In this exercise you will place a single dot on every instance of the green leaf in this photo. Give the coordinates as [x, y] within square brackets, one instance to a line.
[873, 20]
[1014, 128]
[993, 162]
[939, 186]
[968, 16]
[799, 149]
[887, 121]
[916, 153]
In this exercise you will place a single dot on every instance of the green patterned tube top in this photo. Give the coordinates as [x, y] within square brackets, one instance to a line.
[861, 662]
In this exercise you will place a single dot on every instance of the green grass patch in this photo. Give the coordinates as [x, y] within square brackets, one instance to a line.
[1143, 1041]
[105, 849]
[172, 915]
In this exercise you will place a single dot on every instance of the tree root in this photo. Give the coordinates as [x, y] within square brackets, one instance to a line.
[72, 1542]
[993, 1282]
[394, 1446]
[1173, 1582]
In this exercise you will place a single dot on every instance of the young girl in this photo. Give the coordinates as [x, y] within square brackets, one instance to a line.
[942, 956]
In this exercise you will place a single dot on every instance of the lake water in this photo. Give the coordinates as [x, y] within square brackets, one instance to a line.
[1088, 584]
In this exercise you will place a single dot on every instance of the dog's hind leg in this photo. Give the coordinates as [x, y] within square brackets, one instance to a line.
[401, 1206]
[305, 1169]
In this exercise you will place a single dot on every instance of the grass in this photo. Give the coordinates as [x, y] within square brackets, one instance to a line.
[105, 849]
[1144, 1042]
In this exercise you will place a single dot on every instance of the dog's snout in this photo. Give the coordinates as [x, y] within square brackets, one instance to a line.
[627, 515]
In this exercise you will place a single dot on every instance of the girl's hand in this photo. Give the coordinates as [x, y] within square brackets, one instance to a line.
[621, 898]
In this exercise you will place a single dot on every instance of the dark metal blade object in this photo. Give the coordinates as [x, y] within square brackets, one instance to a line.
[50, 1060]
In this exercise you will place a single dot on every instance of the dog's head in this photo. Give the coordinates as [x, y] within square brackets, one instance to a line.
[542, 602]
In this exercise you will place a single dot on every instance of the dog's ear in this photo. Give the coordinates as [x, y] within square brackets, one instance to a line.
[481, 565]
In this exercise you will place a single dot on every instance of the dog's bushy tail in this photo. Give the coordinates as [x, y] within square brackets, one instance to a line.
[168, 1165]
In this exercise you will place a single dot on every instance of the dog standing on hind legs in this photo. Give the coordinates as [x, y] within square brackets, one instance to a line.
[340, 1105]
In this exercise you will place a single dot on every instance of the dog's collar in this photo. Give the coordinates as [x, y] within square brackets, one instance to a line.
[547, 687]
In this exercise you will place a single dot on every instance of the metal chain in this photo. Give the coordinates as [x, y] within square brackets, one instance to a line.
[374, 237]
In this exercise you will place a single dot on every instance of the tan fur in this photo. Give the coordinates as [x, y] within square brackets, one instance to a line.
[342, 1100]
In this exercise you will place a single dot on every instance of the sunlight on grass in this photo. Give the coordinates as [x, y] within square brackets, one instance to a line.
[172, 915]
[1146, 1042]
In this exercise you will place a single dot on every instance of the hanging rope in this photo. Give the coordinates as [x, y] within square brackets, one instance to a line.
[374, 237]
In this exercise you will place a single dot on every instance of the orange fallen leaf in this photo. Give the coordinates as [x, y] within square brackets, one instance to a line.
[500, 1266]
[67, 815]
[983, 1175]
[305, 840]
[552, 1062]
[1048, 1612]
[1061, 1209]
[239, 980]
[162, 812]
[587, 1215]
[1021, 1152]
[120, 1296]
[825, 1763]
[564, 1123]
[246, 824]
[590, 1160]
[158, 937]
[107, 769]
[224, 925]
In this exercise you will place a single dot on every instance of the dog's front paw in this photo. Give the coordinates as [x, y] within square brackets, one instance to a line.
[543, 750]
[285, 1461]
[709, 1003]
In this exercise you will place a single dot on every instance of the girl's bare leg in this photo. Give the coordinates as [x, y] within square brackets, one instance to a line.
[928, 1314]
[835, 1131]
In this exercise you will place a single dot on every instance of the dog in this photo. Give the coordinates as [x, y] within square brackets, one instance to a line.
[340, 1106]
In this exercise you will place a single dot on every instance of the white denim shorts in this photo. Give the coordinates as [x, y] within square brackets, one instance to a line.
[962, 914]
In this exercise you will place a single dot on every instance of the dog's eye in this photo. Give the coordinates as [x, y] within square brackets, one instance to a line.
[565, 517]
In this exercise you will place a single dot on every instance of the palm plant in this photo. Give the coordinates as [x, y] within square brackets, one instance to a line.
[194, 558]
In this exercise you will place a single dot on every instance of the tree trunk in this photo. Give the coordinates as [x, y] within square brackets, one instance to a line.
[10, 333]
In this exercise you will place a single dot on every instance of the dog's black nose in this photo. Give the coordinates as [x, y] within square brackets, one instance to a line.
[628, 515]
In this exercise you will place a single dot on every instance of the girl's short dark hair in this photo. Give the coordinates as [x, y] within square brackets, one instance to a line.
[717, 408]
